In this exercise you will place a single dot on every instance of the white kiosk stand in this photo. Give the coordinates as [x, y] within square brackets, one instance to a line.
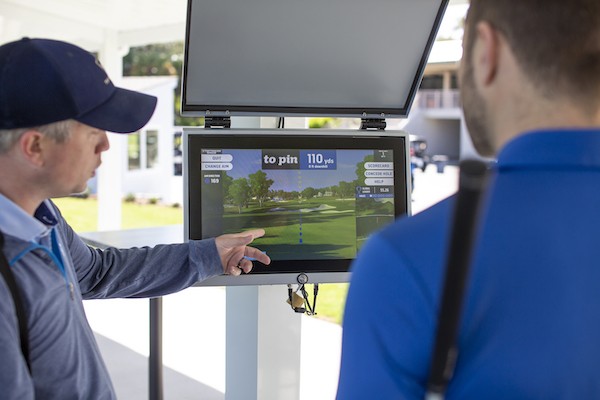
[262, 344]
[259, 58]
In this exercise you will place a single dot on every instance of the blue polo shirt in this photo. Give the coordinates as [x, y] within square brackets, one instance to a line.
[531, 320]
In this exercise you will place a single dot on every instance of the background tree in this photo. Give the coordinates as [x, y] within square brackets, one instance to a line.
[335, 190]
[346, 189]
[360, 170]
[280, 194]
[290, 195]
[226, 182]
[239, 190]
[309, 193]
[260, 186]
[159, 60]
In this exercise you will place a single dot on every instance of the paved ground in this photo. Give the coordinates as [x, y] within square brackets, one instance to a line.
[194, 332]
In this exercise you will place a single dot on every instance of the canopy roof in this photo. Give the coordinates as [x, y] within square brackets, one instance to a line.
[91, 23]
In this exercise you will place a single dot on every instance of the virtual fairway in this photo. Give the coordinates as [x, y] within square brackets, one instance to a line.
[311, 229]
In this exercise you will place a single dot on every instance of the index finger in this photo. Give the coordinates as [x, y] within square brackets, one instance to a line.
[256, 233]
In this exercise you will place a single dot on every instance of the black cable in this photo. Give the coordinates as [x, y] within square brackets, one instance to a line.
[315, 292]
[306, 300]
[290, 297]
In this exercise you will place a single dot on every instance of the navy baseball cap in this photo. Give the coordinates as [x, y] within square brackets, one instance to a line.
[44, 81]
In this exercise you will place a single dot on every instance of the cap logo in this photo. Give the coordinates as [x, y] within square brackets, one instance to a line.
[107, 79]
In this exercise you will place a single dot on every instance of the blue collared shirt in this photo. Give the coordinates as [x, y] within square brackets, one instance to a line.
[531, 319]
[54, 271]
[15, 220]
[40, 230]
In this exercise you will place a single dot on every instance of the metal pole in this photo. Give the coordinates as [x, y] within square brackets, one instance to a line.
[155, 367]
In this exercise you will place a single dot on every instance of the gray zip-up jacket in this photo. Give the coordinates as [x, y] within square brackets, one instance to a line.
[65, 360]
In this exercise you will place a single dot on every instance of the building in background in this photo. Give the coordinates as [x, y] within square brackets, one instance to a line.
[148, 158]
[436, 114]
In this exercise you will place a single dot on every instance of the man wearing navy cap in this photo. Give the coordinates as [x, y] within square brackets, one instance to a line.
[530, 329]
[56, 104]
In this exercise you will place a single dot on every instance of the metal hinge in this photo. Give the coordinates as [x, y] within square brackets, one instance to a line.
[372, 124]
[217, 122]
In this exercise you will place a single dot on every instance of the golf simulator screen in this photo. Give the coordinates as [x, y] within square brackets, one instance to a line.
[318, 197]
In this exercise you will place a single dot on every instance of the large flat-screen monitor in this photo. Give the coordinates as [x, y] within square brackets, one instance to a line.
[309, 57]
[318, 197]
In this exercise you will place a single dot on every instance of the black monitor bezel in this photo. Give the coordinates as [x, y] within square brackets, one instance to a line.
[195, 142]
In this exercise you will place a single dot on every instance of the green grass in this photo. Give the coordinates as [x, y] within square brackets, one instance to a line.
[324, 234]
[82, 216]
[330, 301]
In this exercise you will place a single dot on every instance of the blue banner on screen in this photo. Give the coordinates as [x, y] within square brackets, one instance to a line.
[318, 159]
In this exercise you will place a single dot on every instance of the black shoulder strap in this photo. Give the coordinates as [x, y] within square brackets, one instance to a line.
[14, 291]
[472, 184]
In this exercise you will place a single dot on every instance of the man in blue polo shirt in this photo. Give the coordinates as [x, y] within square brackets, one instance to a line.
[56, 104]
[530, 328]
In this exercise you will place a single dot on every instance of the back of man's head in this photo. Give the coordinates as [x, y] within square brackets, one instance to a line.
[556, 43]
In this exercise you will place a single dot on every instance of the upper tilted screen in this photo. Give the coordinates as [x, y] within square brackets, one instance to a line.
[310, 57]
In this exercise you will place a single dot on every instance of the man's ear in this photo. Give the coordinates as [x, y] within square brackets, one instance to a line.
[32, 147]
[486, 51]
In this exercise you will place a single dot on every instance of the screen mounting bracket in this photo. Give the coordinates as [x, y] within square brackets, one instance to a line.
[370, 124]
[223, 122]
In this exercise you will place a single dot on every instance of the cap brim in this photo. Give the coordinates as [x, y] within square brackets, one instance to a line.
[125, 111]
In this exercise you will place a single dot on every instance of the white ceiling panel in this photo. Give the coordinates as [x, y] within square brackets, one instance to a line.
[89, 22]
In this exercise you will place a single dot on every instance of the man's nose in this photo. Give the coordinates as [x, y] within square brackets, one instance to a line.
[104, 143]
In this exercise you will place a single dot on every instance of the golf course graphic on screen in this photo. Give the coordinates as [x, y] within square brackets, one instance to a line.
[313, 204]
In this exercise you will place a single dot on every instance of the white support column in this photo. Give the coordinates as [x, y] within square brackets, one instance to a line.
[109, 176]
[245, 122]
[447, 90]
[263, 333]
[279, 345]
[241, 343]
[263, 344]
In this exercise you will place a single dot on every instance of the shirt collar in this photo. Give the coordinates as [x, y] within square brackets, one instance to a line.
[571, 148]
[16, 222]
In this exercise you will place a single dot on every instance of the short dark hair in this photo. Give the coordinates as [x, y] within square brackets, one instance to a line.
[556, 42]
